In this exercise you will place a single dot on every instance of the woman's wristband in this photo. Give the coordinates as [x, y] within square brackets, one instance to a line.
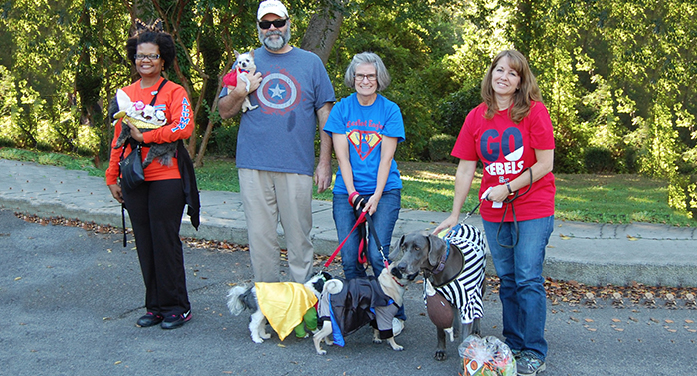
[351, 196]
[508, 185]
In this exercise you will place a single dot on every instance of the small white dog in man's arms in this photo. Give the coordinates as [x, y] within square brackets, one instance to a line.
[243, 64]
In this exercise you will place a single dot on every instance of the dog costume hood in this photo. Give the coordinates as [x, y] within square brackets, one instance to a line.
[284, 304]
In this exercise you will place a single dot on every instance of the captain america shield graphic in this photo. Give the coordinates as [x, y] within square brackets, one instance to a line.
[278, 93]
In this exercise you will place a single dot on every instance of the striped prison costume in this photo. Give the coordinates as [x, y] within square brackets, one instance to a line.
[465, 291]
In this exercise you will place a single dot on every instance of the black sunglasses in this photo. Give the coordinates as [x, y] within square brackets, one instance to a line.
[276, 23]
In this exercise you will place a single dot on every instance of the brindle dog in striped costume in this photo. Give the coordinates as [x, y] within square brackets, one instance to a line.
[453, 266]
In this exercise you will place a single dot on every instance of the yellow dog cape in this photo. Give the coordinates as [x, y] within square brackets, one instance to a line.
[284, 304]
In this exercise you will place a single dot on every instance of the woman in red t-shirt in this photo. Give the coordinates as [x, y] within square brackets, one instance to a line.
[155, 206]
[511, 134]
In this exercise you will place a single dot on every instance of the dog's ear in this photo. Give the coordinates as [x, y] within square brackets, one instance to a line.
[401, 241]
[436, 249]
[237, 54]
[396, 251]
[251, 53]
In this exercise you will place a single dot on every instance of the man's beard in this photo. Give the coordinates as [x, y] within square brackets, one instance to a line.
[274, 44]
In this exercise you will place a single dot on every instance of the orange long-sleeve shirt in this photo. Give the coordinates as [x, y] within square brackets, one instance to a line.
[173, 100]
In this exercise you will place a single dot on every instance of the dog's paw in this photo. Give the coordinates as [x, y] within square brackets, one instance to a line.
[394, 344]
[440, 355]
[321, 352]
[265, 335]
[377, 341]
[329, 342]
[257, 340]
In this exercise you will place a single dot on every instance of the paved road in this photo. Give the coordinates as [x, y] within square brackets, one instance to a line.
[70, 299]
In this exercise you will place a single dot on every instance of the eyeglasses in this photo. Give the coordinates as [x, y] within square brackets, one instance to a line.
[371, 77]
[276, 23]
[150, 57]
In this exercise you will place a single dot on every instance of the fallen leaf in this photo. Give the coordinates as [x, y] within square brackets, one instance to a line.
[592, 329]
[668, 321]
[631, 238]
[616, 320]
[619, 329]
[564, 237]
[18, 278]
[588, 320]
[689, 321]
[117, 362]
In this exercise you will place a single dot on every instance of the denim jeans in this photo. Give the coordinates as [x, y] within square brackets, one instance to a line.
[522, 291]
[384, 220]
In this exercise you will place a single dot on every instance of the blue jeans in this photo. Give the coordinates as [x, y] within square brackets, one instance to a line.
[384, 220]
[522, 290]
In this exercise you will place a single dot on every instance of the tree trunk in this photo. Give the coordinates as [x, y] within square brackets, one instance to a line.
[323, 29]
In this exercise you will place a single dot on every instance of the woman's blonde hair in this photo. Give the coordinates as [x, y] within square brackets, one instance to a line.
[524, 95]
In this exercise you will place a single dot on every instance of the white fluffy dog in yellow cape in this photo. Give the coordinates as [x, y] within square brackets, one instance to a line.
[285, 305]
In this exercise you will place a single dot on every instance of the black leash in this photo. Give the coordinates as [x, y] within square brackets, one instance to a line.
[509, 202]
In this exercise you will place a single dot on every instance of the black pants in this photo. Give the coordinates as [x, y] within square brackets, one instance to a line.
[155, 209]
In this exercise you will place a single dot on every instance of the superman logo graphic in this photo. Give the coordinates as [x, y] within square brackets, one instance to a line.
[278, 93]
[364, 142]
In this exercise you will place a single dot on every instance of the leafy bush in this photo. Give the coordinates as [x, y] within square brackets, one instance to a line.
[682, 194]
[6, 141]
[599, 160]
[440, 146]
[454, 108]
[225, 140]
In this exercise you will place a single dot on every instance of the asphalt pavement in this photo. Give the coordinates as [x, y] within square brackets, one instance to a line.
[70, 299]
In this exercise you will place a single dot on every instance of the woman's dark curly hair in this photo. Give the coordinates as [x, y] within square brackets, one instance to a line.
[163, 40]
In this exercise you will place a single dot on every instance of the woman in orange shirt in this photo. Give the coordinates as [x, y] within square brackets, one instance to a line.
[155, 207]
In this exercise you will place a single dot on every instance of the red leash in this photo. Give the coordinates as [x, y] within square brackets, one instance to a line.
[359, 221]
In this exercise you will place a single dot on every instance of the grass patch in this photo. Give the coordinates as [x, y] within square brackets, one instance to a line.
[71, 162]
[429, 186]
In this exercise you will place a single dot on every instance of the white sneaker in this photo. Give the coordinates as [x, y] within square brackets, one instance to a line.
[397, 326]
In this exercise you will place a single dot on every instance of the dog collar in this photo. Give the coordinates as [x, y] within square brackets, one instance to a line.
[397, 282]
[441, 264]
[244, 70]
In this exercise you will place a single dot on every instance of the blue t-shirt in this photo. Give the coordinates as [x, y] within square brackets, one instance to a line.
[279, 135]
[364, 127]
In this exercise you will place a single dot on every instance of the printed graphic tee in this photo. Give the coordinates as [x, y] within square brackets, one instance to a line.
[506, 150]
[365, 126]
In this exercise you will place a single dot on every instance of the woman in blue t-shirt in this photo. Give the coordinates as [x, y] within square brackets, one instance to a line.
[365, 129]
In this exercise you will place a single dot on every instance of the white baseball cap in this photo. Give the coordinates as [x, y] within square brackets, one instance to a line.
[271, 6]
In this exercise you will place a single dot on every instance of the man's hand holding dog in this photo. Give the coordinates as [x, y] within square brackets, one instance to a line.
[254, 82]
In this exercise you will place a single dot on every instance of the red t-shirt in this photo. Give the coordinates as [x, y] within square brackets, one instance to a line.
[506, 149]
[174, 102]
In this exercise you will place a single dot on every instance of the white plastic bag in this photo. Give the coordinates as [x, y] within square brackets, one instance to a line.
[486, 356]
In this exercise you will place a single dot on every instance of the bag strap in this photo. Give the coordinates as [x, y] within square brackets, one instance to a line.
[152, 102]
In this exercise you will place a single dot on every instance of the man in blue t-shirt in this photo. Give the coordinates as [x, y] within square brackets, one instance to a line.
[275, 145]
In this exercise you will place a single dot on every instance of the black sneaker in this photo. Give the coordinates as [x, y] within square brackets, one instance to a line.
[149, 319]
[175, 321]
[530, 364]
